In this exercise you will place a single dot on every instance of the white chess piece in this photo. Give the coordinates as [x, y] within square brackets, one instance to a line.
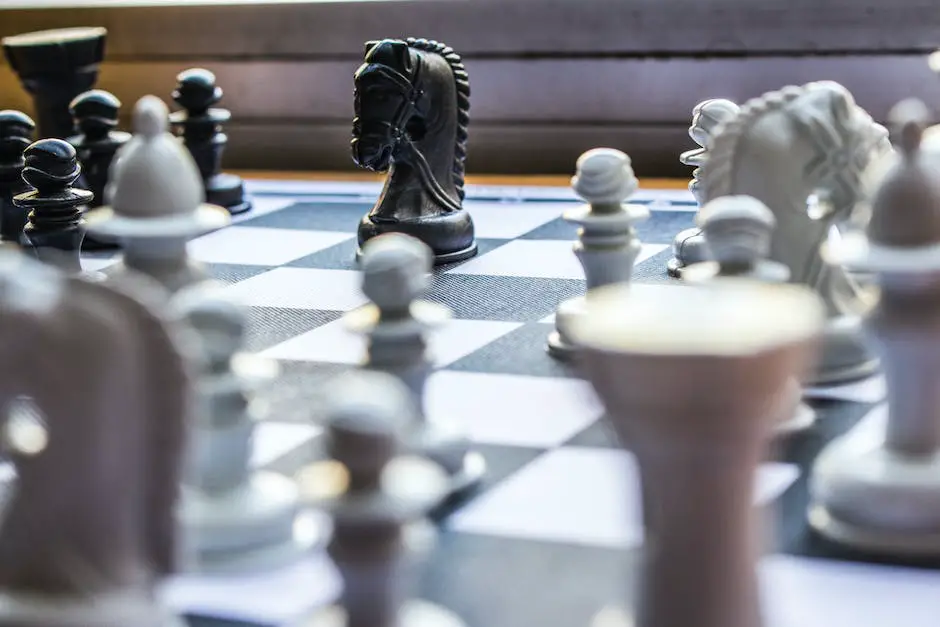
[607, 244]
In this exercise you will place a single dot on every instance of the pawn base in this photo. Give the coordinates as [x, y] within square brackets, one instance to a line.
[846, 353]
[558, 344]
[869, 498]
[413, 613]
[118, 609]
[688, 248]
[227, 190]
[257, 527]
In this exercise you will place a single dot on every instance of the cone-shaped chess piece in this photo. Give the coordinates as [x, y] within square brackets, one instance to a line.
[237, 518]
[607, 244]
[733, 345]
[688, 247]
[156, 202]
[877, 488]
[376, 496]
[16, 132]
[54, 66]
[395, 273]
[201, 125]
[96, 116]
[54, 227]
[738, 231]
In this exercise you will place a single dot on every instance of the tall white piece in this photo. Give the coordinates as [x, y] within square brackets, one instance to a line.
[607, 244]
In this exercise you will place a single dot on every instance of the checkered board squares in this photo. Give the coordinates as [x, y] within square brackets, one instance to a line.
[553, 533]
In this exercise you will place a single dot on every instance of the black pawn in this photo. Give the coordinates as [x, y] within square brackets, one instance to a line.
[96, 116]
[54, 227]
[16, 132]
[201, 126]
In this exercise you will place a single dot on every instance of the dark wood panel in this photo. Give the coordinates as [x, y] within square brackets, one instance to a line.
[494, 149]
[571, 90]
[499, 27]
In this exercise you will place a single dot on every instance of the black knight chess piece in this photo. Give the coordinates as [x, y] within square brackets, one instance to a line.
[412, 101]
[54, 66]
[54, 227]
[201, 126]
[96, 116]
[16, 131]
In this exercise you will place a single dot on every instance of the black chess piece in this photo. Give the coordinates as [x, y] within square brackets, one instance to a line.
[54, 227]
[412, 102]
[16, 132]
[201, 125]
[54, 66]
[96, 115]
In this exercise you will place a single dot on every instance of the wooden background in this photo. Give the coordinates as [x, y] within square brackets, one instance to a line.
[549, 79]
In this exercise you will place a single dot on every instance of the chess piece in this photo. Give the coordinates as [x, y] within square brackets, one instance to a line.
[733, 345]
[238, 519]
[54, 227]
[376, 496]
[803, 152]
[16, 131]
[395, 273]
[201, 125]
[98, 478]
[96, 115]
[607, 243]
[738, 231]
[412, 103]
[156, 202]
[54, 66]
[877, 488]
[707, 117]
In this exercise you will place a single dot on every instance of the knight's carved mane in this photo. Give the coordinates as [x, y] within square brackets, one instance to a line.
[716, 177]
[462, 84]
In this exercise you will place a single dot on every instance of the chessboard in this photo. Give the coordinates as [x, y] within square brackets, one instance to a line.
[552, 536]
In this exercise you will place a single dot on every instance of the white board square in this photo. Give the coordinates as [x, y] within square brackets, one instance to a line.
[581, 496]
[256, 246]
[301, 288]
[275, 439]
[334, 344]
[498, 220]
[548, 259]
[540, 412]
[263, 205]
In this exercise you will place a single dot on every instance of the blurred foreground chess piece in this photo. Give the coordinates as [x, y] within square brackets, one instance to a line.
[200, 123]
[737, 233]
[16, 133]
[607, 245]
[54, 66]
[237, 519]
[803, 151]
[688, 247]
[98, 478]
[877, 488]
[377, 498]
[54, 228]
[734, 345]
[412, 106]
[395, 274]
[156, 202]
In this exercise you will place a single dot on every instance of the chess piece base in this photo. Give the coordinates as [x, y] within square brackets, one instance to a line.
[465, 469]
[227, 190]
[688, 248]
[869, 498]
[413, 613]
[846, 353]
[116, 610]
[558, 344]
[259, 526]
[450, 235]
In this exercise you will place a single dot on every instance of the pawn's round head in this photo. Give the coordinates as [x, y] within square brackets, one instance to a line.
[95, 111]
[604, 176]
[16, 129]
[368, 414]
[395, 270]
[220, 322]
[50, 164]
[196, 90]
[707, 116]
[738, 229]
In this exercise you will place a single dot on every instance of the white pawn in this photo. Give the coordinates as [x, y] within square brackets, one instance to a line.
[235, 518]
[395, 274]
[607, 243]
